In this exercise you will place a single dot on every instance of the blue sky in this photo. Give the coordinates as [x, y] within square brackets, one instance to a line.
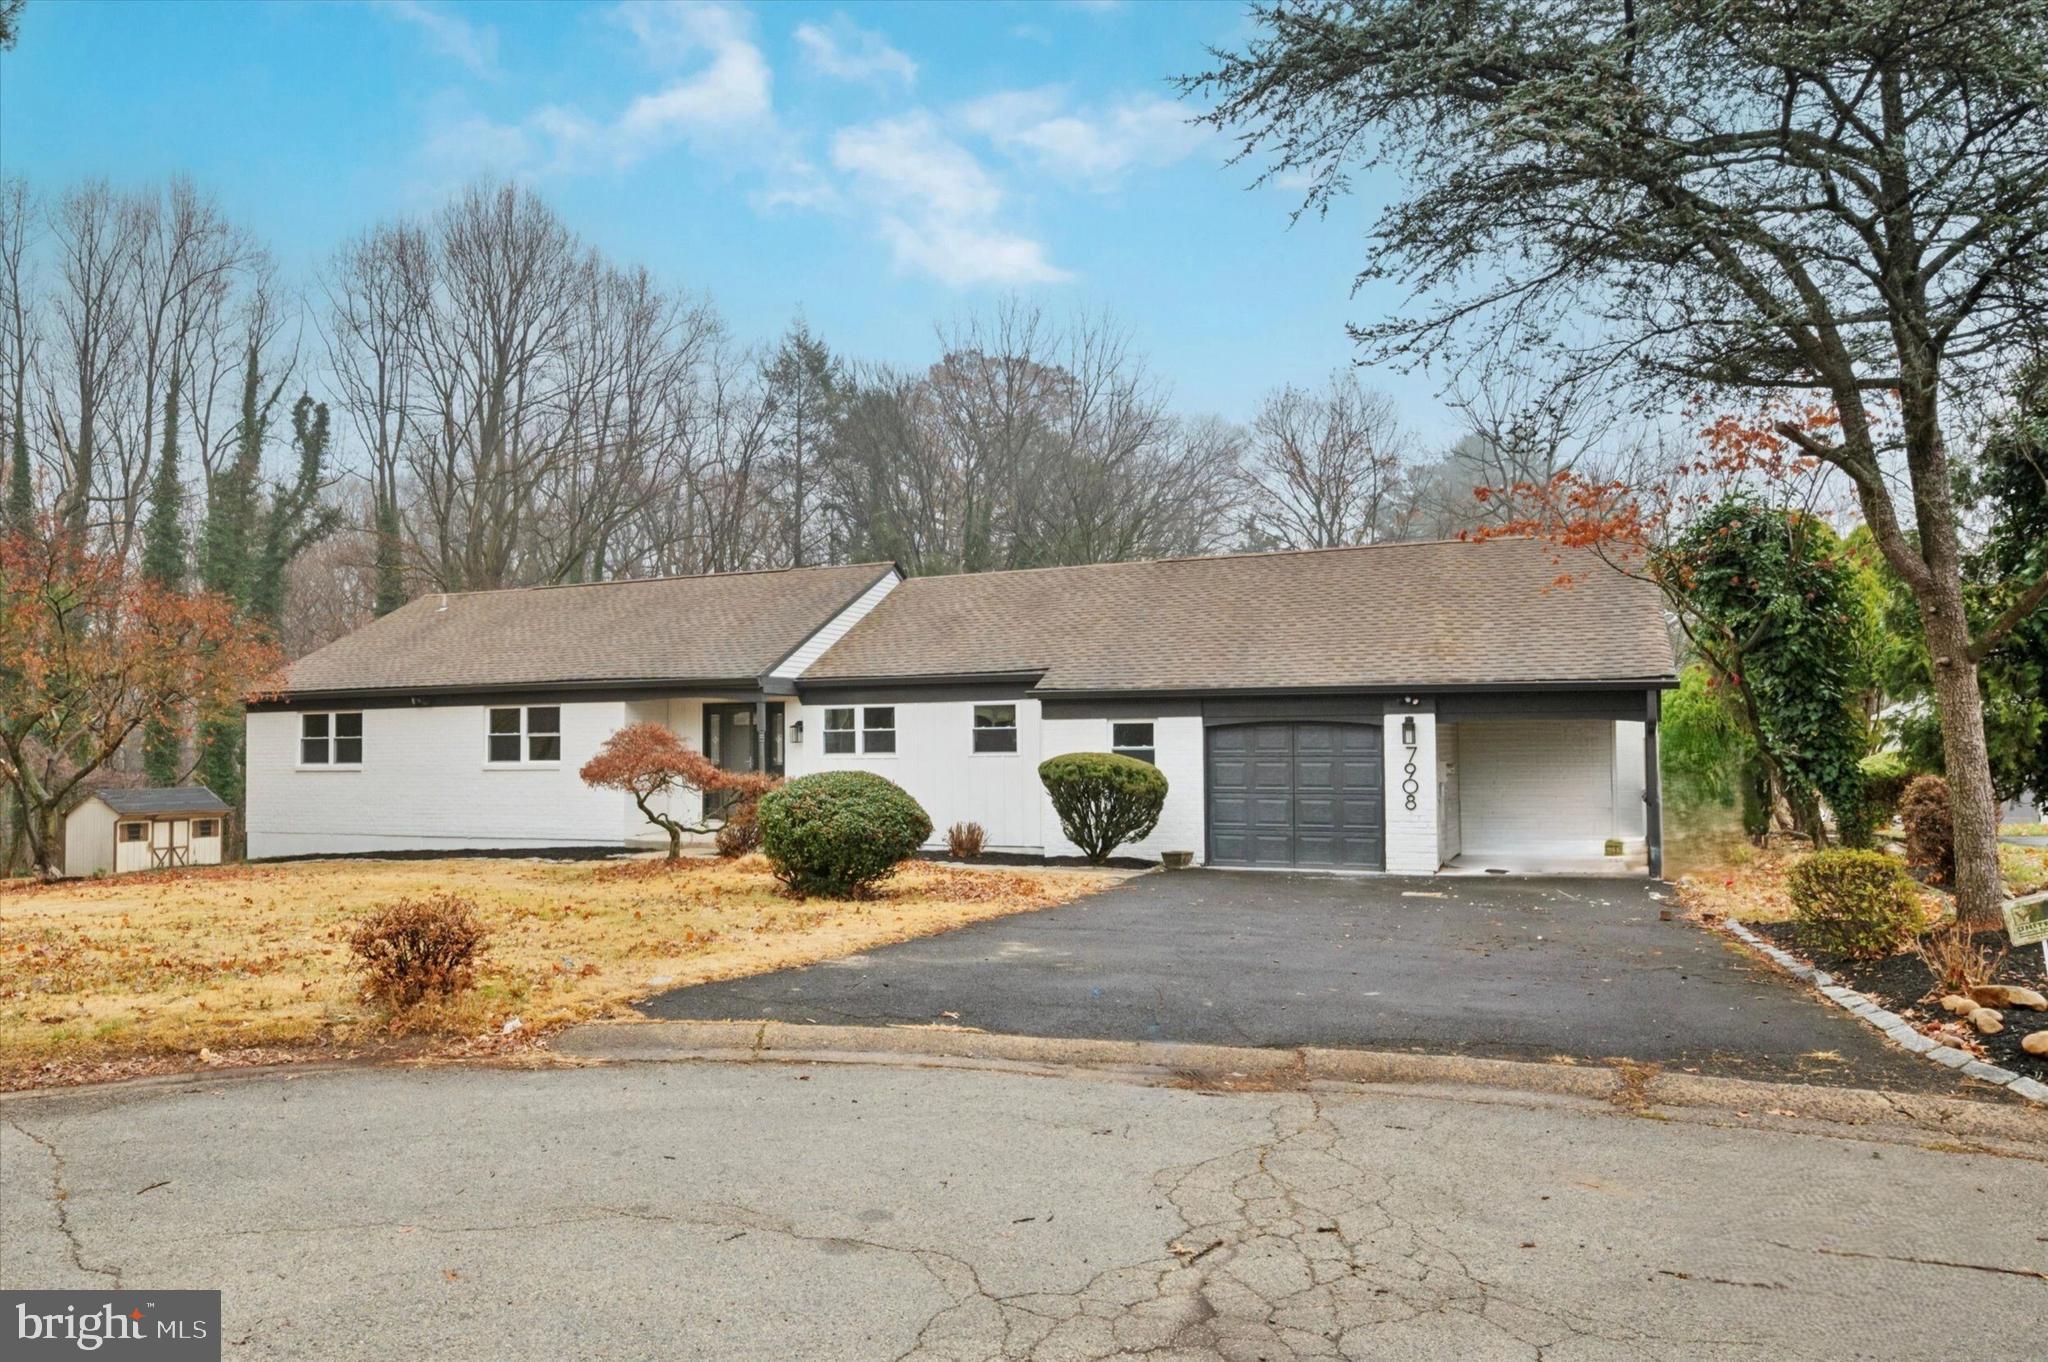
[878, 168]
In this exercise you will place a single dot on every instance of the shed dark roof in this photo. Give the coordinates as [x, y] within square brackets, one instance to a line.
[182, 799]
[721, 628]
[1385, 615]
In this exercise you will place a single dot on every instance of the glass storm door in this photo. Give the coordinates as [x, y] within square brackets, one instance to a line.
[730, 742]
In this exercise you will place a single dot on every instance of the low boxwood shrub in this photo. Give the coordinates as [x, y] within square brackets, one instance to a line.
[414, 949]
[1853, 903]
[838, 833]
[1930, 829]
[1103, 799]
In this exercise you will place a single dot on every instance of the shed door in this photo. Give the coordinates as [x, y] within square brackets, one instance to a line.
[1296, 794]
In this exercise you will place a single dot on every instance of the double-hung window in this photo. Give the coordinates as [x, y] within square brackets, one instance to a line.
[1133, 740]
[333, 739]
[838, 732]
[995, 728]
[525, 735]
[878, 730]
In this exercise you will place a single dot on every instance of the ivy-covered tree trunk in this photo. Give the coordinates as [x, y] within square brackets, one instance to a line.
[163, 563]
[21, 499]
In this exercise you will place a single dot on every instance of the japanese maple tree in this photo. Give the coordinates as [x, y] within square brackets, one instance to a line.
[91, 652]
[648, 761]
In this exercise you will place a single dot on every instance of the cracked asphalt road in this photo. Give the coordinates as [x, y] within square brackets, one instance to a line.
[775, 1211]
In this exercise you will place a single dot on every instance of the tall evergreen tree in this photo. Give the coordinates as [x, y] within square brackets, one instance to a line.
[163, 564]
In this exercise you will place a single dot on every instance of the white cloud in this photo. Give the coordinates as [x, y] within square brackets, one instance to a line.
[936, 205]
[1096, 147]
[717, 92]
[474, 45]
[845, 51]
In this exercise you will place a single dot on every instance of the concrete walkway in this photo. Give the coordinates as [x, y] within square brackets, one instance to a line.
[833, 1213]
[1536, 969]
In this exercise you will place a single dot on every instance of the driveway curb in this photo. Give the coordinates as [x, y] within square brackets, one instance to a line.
[1627, 1085]
[1896, 1029]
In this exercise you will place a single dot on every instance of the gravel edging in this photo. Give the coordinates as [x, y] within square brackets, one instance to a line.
[1896, 1028]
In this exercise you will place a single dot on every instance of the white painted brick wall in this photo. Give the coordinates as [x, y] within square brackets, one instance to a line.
[1411, 833]
[1541, 786]
[425, 786]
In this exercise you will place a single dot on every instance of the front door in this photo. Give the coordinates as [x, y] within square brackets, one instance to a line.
[731, 743]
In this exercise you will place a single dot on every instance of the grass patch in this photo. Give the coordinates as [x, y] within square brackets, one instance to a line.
[2024, 829]
[246, 957]
[2026, 868]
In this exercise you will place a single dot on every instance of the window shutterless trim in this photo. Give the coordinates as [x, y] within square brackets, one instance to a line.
[994, 732]
[512, 727]
[340, 738]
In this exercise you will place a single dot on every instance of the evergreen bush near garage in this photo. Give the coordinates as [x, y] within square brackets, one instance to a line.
[1103, 799]
[1858, 904]
[836, 834]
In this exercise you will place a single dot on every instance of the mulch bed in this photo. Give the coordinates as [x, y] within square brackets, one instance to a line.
[1902, 984]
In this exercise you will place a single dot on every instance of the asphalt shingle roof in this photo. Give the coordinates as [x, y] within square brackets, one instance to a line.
[181, 799]
[723, 627]
[1384, 615]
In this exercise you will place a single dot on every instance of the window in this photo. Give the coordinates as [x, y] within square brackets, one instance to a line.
[838, 732]
[878, 729]
[206, 827]
[519, 736]
[135, 832]
[331, 739]
[1134, 740]
[995, 728]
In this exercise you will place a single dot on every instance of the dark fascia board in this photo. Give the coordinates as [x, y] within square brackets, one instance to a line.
[806, 686]
[1412, 688]
[389, 697]
[765, 679]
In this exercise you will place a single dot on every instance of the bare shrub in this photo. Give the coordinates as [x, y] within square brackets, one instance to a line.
[418, 948]
[964, 841]
[1959, 957]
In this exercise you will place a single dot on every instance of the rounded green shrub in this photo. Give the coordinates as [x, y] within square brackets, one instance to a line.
[1858, 904]
[837, 833]
[1103, 799]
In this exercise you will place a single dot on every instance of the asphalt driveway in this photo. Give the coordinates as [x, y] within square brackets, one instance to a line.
[1549, 969]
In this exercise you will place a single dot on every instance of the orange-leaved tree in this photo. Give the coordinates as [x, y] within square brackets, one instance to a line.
[648, 761]
[90, 652]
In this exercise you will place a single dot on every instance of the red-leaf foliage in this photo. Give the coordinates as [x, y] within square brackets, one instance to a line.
[647, 759]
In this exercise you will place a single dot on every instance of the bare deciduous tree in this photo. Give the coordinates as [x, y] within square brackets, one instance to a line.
[1324, 467]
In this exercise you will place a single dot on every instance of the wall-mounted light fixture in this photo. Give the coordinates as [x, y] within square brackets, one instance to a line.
[796, 733]
[1408, 731]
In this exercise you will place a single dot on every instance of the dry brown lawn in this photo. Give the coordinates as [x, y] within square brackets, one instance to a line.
[240, 958]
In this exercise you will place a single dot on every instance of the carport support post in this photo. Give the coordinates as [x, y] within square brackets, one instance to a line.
[1653, 788]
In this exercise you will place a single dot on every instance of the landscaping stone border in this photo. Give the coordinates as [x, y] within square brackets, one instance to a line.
[1896, 1028]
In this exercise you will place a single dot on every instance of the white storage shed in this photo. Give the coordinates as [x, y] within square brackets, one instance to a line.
[116, 831]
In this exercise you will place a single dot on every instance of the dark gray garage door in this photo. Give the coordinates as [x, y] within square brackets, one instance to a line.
[1305, 794]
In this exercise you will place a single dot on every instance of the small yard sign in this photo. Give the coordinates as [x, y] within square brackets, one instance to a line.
[2026, 921]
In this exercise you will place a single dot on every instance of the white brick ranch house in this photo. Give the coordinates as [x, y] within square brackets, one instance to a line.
[1408, 707]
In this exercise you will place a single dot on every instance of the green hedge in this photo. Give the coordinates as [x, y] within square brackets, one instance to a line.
[838, 833]
[1884, 779]
[1854, 903]
[1103, 799]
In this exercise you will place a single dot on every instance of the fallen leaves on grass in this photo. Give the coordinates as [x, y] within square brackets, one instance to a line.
[247, 959]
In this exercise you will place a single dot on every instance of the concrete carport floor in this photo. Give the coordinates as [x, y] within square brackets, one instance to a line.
[1556, 970]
